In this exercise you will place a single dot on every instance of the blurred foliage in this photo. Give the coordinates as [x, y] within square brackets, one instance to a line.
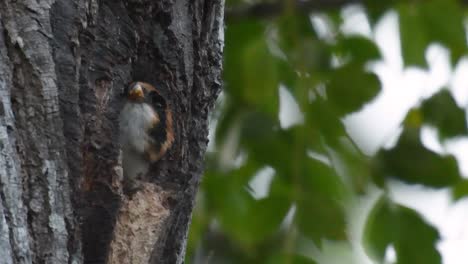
[412, 238]
[314, 167]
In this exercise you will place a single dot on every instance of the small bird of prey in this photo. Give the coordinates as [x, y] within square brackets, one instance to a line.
[146, 130]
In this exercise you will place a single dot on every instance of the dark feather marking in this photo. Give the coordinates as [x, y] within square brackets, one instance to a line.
[159, 132]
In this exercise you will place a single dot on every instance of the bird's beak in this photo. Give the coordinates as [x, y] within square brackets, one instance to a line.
[136, 93]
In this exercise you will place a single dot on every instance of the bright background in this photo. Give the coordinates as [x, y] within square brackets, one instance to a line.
[381, 119]
[251, 166]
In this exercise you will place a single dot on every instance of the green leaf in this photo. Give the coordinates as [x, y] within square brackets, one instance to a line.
[292, 29]
[260, 77]
[298, 41]
[411, 162]
[460, 190]
[431, 21]
[414, 119]
[414, 39]
[319, 179]
[289, 258]
[266, 215]
[247, 57]
[403, 228]
[320, 214]
[323, 119]
[375, 9]
[228, 120]
[356, 167]
[321, 218]
[266, 143]
[413, 230]
[357, 49]
[287, 74]
[442, 112]
[228, 199]
[379, 230]
[445, 24]
[198, 225]
[350, 88]
[238, 38]
[246, 220]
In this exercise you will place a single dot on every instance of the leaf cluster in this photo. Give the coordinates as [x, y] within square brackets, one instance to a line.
[316, 168]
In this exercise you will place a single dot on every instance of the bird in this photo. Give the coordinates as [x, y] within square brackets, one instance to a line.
[146, 129]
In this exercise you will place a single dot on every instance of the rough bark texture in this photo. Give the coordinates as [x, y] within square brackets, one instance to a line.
[63, 67]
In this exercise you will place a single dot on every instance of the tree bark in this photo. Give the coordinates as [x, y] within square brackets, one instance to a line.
[63, 67]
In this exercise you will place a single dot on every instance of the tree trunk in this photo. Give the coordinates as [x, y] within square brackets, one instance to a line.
[63, 67]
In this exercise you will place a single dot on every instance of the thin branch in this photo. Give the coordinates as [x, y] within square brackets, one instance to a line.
[269, 10]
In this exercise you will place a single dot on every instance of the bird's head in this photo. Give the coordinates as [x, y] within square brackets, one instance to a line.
[136, 92]
[140, 92]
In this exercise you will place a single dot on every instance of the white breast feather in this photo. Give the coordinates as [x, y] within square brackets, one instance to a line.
[135, 119]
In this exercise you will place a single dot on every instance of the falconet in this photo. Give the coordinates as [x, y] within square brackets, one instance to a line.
[146, 129]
